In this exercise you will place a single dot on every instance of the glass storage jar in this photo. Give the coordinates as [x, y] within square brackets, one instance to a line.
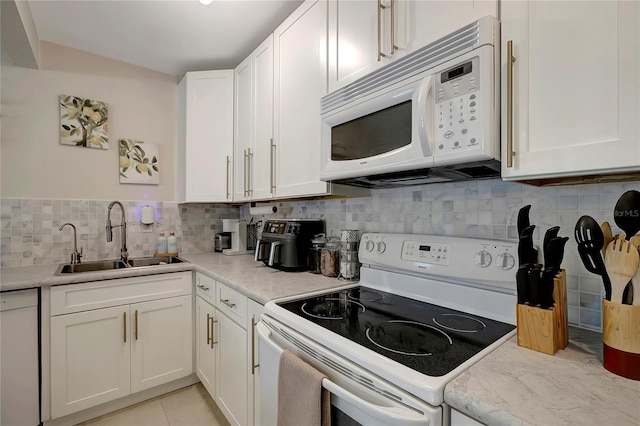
[330, 258]
[317, 244]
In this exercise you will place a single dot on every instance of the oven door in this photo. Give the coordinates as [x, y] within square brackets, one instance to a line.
[357, 396]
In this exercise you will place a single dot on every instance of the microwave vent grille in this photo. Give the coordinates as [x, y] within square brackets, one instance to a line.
[461, 41]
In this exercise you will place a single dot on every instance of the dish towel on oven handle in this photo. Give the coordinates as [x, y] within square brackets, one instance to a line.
[301, 398]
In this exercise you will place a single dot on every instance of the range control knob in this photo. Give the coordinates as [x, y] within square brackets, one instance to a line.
[506, 261]
[483, 259]
[381, 247]
[368, 246]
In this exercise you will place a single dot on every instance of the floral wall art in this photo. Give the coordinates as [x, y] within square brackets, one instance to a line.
[83, 122]
[138, 162]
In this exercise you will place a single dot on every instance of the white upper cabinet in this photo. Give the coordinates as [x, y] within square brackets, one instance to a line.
[575, 87]
[205, 144]
[366, 34]
[300, 81]
[254, 125]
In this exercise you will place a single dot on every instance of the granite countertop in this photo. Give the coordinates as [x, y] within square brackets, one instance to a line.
[518, 386]
[510, 386]
[240, 272]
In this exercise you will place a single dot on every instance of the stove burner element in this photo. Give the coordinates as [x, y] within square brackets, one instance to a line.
[331, 308]
[409, 338]
[460, 323]
[366, 295]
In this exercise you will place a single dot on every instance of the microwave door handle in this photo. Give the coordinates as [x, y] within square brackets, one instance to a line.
[386, 415]
[425, 118]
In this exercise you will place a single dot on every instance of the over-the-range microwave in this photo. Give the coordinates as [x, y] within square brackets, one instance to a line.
[431, 116]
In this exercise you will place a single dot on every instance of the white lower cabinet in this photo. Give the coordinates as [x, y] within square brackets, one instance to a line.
[255, 309]
[233, 395]
[99, 355]
[205, 345]
[227, 360]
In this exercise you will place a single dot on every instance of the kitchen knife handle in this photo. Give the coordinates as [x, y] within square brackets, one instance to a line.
[521, 284]
[510, 60]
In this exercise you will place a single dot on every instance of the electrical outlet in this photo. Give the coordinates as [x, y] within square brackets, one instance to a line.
[147, 228]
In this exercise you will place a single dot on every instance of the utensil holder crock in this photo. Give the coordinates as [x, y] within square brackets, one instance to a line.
[621, 339]
[545, 330]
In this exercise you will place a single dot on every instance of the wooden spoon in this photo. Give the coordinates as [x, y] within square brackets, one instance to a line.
[608, 235]
[627, 213]
[621, 260]
[635, 281]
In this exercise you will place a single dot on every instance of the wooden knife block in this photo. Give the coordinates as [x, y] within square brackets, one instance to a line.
[621, 339]
[545, 330]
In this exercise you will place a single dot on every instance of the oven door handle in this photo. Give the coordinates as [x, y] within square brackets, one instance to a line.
[386, 415]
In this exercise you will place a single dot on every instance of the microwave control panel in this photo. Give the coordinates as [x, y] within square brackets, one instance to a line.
[458, 113]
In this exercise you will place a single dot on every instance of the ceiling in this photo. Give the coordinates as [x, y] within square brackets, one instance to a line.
[170, 36]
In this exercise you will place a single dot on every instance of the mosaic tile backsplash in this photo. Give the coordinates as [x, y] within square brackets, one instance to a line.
[482, 209]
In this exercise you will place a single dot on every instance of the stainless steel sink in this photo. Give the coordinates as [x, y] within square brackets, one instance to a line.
[107, 265]
[93, 266]
[154, 261]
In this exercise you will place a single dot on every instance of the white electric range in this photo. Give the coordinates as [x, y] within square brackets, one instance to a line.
[426, 308]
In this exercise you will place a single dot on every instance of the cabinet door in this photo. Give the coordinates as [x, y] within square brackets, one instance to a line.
[205, 147]
[162, 342]
[353, 40]
[300, 81]
[232, 370]
[263, 175]
[255, 309]
[205, 345]
[19, 358]
[419, 22]
[576, 85]
[243, 130]
[90, 361]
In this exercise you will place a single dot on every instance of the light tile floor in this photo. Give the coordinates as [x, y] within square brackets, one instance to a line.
[191, 406]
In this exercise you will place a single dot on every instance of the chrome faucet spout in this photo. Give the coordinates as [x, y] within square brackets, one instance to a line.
[75, 256]
[124, 254]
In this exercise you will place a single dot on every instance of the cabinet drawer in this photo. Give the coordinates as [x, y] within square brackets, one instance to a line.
[206, 288]
[71, 298]
[232, 303]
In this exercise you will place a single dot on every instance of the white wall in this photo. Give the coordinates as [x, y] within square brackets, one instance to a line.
[142, 105]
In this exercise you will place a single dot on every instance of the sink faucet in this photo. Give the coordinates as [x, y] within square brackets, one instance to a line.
[75, 256]
[124, 254]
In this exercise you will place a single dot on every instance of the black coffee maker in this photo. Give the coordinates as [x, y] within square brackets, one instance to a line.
[285, 243]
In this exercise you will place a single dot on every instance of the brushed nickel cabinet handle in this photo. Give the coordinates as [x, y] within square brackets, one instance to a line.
[228, 303]
[249, 172]
[510, 60]
[253, 347]
[124, 315]
[203, 287]
[209, 338]
[272, 167]
[244, 174]
[393, 28]
[136, 324]
[213, 342]
[228, 167]
[379, 32]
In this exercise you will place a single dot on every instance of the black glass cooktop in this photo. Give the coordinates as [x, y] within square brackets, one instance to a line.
[427, 338]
